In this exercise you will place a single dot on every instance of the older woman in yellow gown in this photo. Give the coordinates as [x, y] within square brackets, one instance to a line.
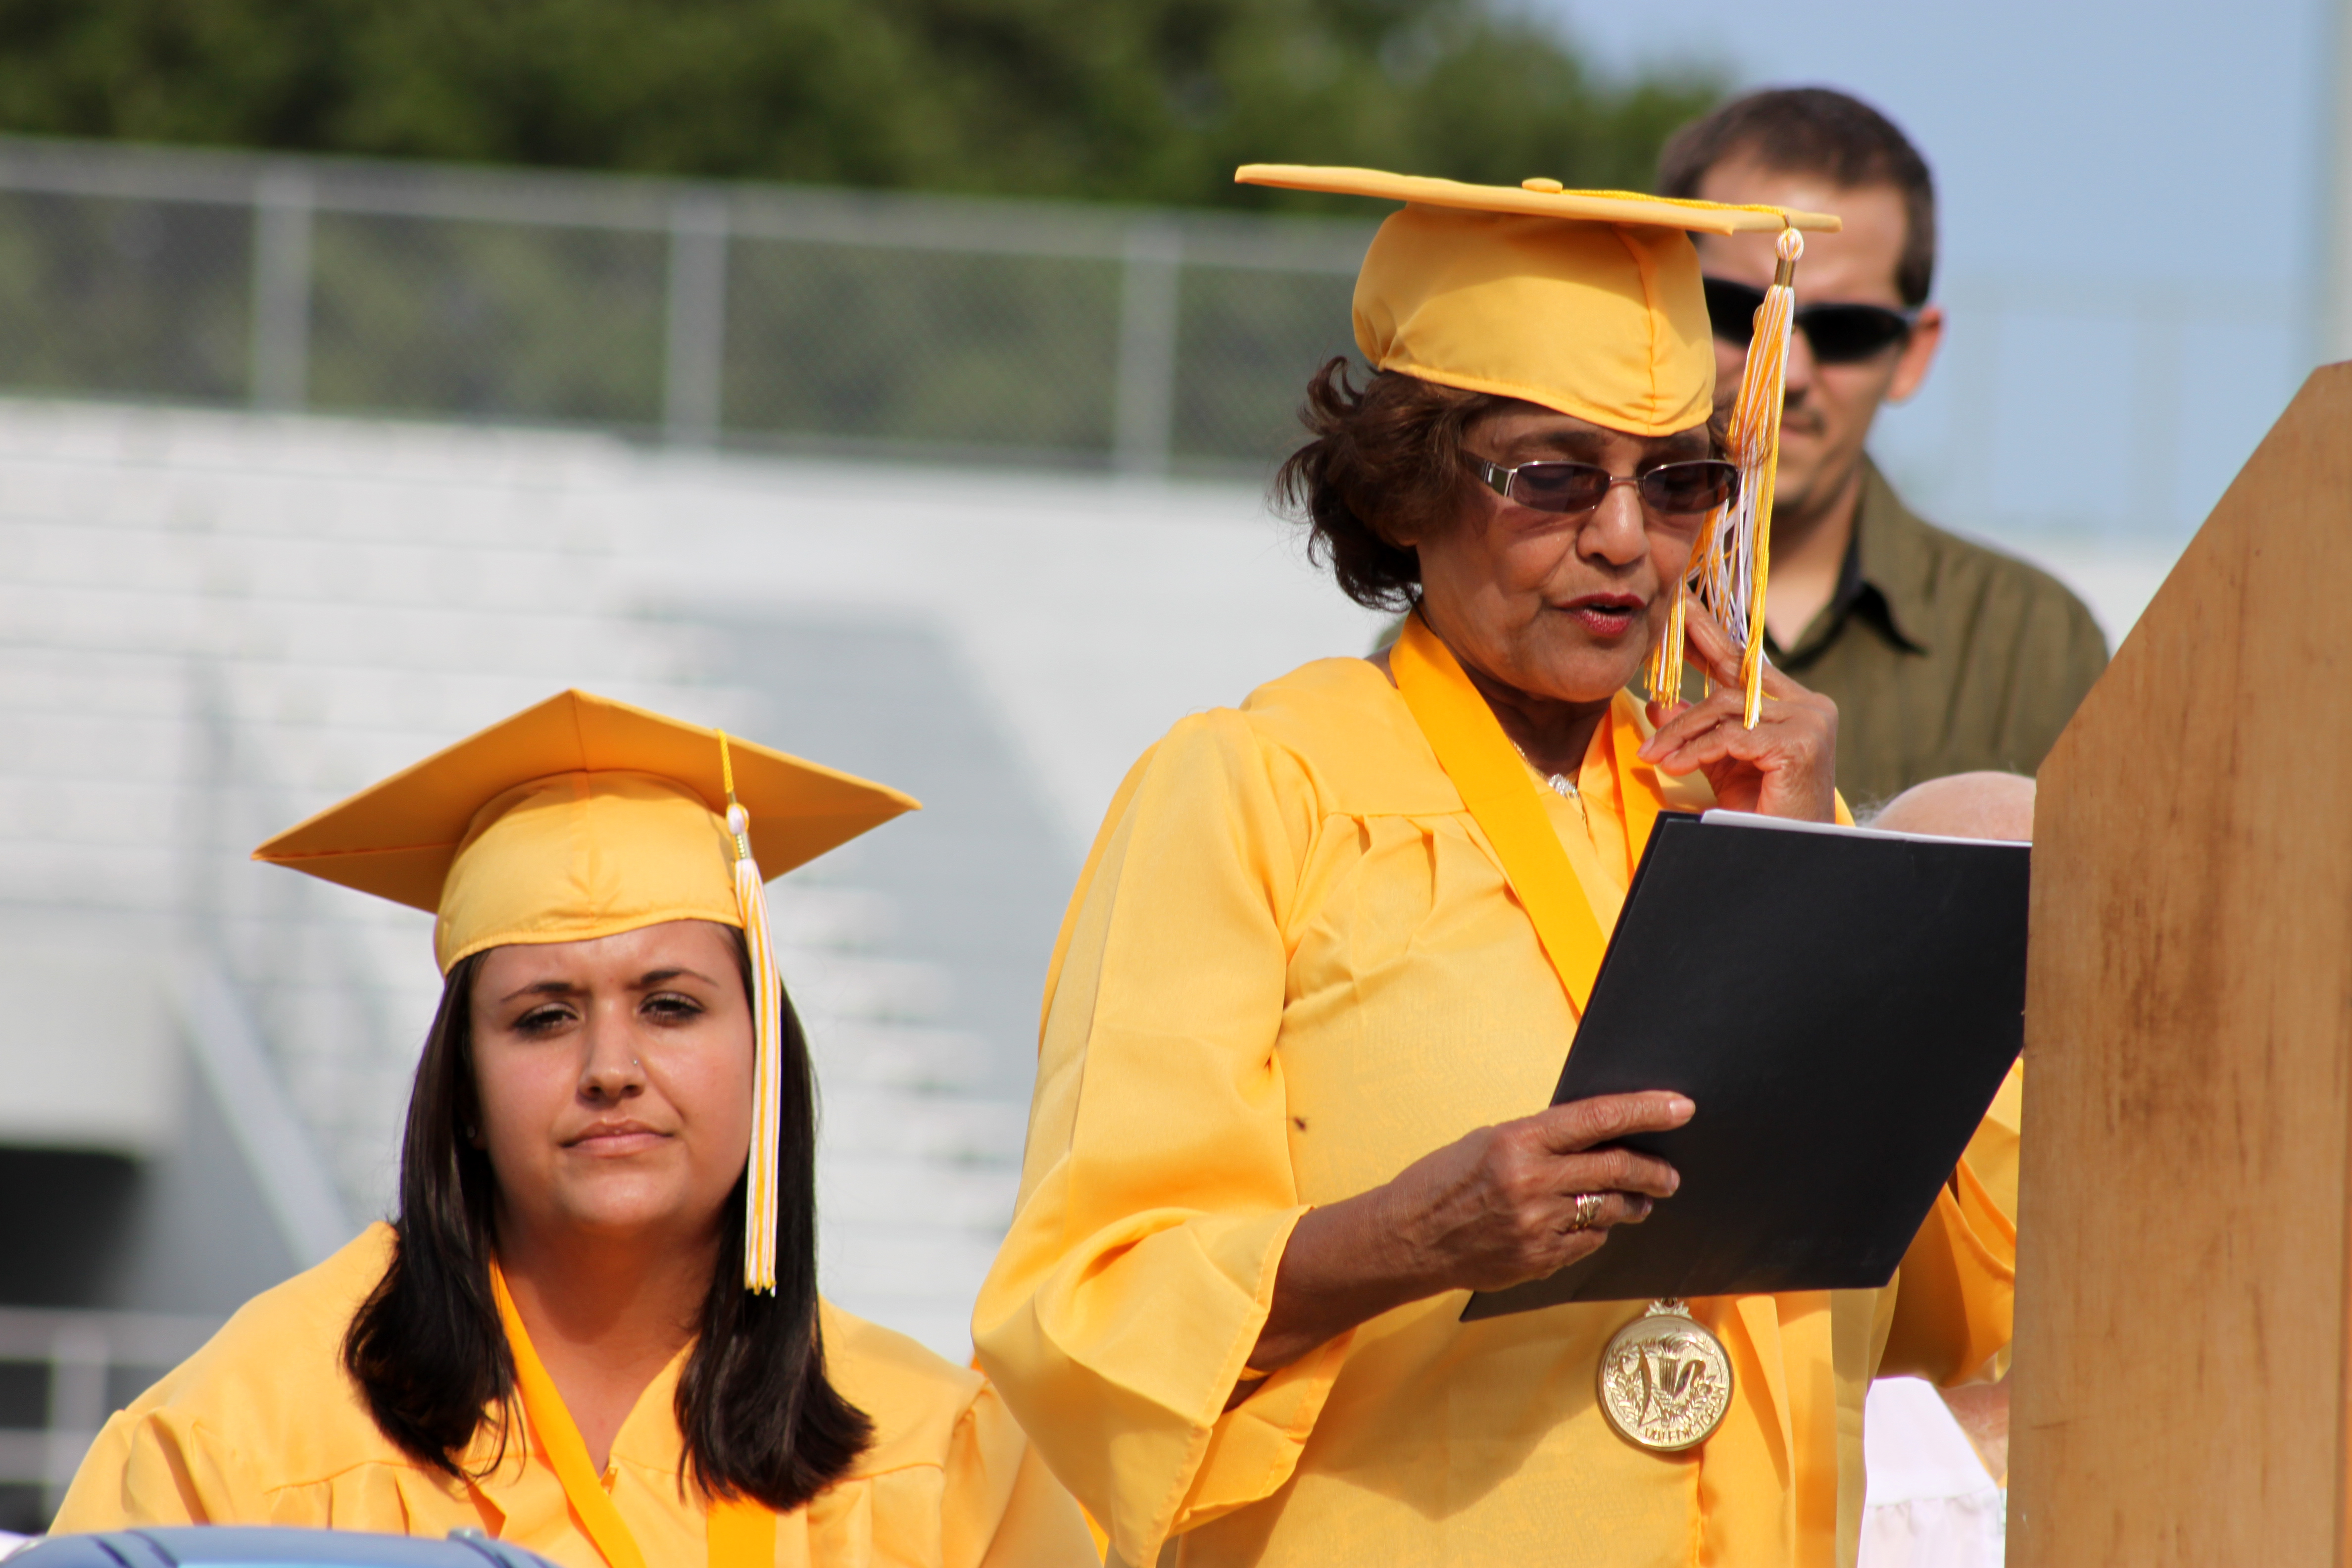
[594, 1328]
[1300, 1016]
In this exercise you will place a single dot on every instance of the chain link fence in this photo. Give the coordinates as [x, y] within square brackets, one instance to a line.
[1149, 342]
[951, 330]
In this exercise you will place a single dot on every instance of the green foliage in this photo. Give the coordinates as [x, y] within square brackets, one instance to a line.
[1150, 101]
[940, 352]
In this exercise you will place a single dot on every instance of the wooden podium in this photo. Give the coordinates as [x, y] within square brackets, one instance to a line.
[2182, 1384]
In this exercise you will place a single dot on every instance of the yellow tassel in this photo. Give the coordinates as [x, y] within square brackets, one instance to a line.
[767, 1059]
[1665, 675]
[1731, 563]
[1772, 336]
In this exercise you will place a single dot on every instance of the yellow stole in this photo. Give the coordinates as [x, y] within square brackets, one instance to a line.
[742, 1532]
[1755, 1500]
[1493, 781]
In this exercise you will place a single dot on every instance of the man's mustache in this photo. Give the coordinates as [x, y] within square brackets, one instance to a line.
[1797, 414]
[1800, 418]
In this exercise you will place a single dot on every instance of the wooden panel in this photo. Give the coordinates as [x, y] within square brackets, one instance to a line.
[2181, 1373]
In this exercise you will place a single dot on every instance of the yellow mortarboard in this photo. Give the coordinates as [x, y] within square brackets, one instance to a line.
[582, 817]
[1588, 303]
[1583, 301]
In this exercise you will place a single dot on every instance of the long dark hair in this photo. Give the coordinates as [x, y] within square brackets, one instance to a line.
[757, 1416]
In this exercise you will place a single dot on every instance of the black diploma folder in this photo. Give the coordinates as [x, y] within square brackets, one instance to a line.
[1840, 1004]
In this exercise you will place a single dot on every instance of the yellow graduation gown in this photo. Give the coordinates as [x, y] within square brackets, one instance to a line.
[263, 1427]
[1292, 967]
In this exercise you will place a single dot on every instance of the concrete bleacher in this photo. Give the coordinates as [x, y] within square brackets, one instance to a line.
[212, 624]
[210, 627]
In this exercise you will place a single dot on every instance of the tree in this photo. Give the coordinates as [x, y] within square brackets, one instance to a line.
[1147, 101]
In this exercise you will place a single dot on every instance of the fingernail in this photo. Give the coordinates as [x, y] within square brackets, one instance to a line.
[1680, 1105]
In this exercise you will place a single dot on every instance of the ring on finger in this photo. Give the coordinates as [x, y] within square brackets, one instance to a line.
[1588, 1210]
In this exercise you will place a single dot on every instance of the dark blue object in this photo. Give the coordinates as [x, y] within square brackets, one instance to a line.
[243, 1546]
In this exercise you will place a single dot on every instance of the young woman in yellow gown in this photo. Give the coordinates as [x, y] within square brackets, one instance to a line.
[609, 1139]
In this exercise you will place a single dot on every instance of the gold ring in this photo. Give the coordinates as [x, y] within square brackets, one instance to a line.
[1588, 1209]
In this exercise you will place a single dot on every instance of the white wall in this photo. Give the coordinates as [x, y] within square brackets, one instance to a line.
[213, 625]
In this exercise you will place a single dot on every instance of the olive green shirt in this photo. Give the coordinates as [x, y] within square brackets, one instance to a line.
[1942, 655]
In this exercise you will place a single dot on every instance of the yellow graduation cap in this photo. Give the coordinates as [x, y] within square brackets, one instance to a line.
[1587, 302]
[582, 817]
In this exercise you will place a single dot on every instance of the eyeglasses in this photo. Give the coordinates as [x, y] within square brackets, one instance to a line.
[1685, 490]
[1841, 334]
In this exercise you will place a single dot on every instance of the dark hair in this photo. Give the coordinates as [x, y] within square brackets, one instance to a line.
[1384, 469]
[757, 1416]
[1815, 131]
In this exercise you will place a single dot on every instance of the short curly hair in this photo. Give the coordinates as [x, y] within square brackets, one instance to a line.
[1384, 469]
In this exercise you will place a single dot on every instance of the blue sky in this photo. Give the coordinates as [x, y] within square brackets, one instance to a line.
[2131, 201]
[2086, 137]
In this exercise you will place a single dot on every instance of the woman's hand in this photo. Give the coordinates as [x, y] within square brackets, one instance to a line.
[1498, 1207]
[1492, 1209]
[1786, 766]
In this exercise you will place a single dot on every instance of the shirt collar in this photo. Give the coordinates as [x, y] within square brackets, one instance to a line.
[1884, 577]
[1890, 553]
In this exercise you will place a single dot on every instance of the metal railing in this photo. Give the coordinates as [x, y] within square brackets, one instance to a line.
[692, 312]
[80, 1352]
[301, 1038]
[954, 329]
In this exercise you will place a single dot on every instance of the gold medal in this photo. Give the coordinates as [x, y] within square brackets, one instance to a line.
[1664, 1380]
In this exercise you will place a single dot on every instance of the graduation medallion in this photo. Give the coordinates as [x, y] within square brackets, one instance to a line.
[1664, 1380]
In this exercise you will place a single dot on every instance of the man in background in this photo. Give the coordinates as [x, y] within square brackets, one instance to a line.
[1943, 656]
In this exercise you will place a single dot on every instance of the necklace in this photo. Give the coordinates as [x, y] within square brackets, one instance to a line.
[1561, 784]
[1663, 1380]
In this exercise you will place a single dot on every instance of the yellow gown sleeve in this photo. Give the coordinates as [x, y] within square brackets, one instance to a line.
[1956, 1292]
[1000, 1506]
[158, 1467]
[1157, 1192]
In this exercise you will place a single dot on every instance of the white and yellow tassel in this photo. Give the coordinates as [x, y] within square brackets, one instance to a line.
[767, 1058]
[1731, 559]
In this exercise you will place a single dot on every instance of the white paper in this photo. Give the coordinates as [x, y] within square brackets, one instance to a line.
[1723, 818]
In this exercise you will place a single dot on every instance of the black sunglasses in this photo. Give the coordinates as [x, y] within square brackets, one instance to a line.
[1671, 489]
[1841, 334]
